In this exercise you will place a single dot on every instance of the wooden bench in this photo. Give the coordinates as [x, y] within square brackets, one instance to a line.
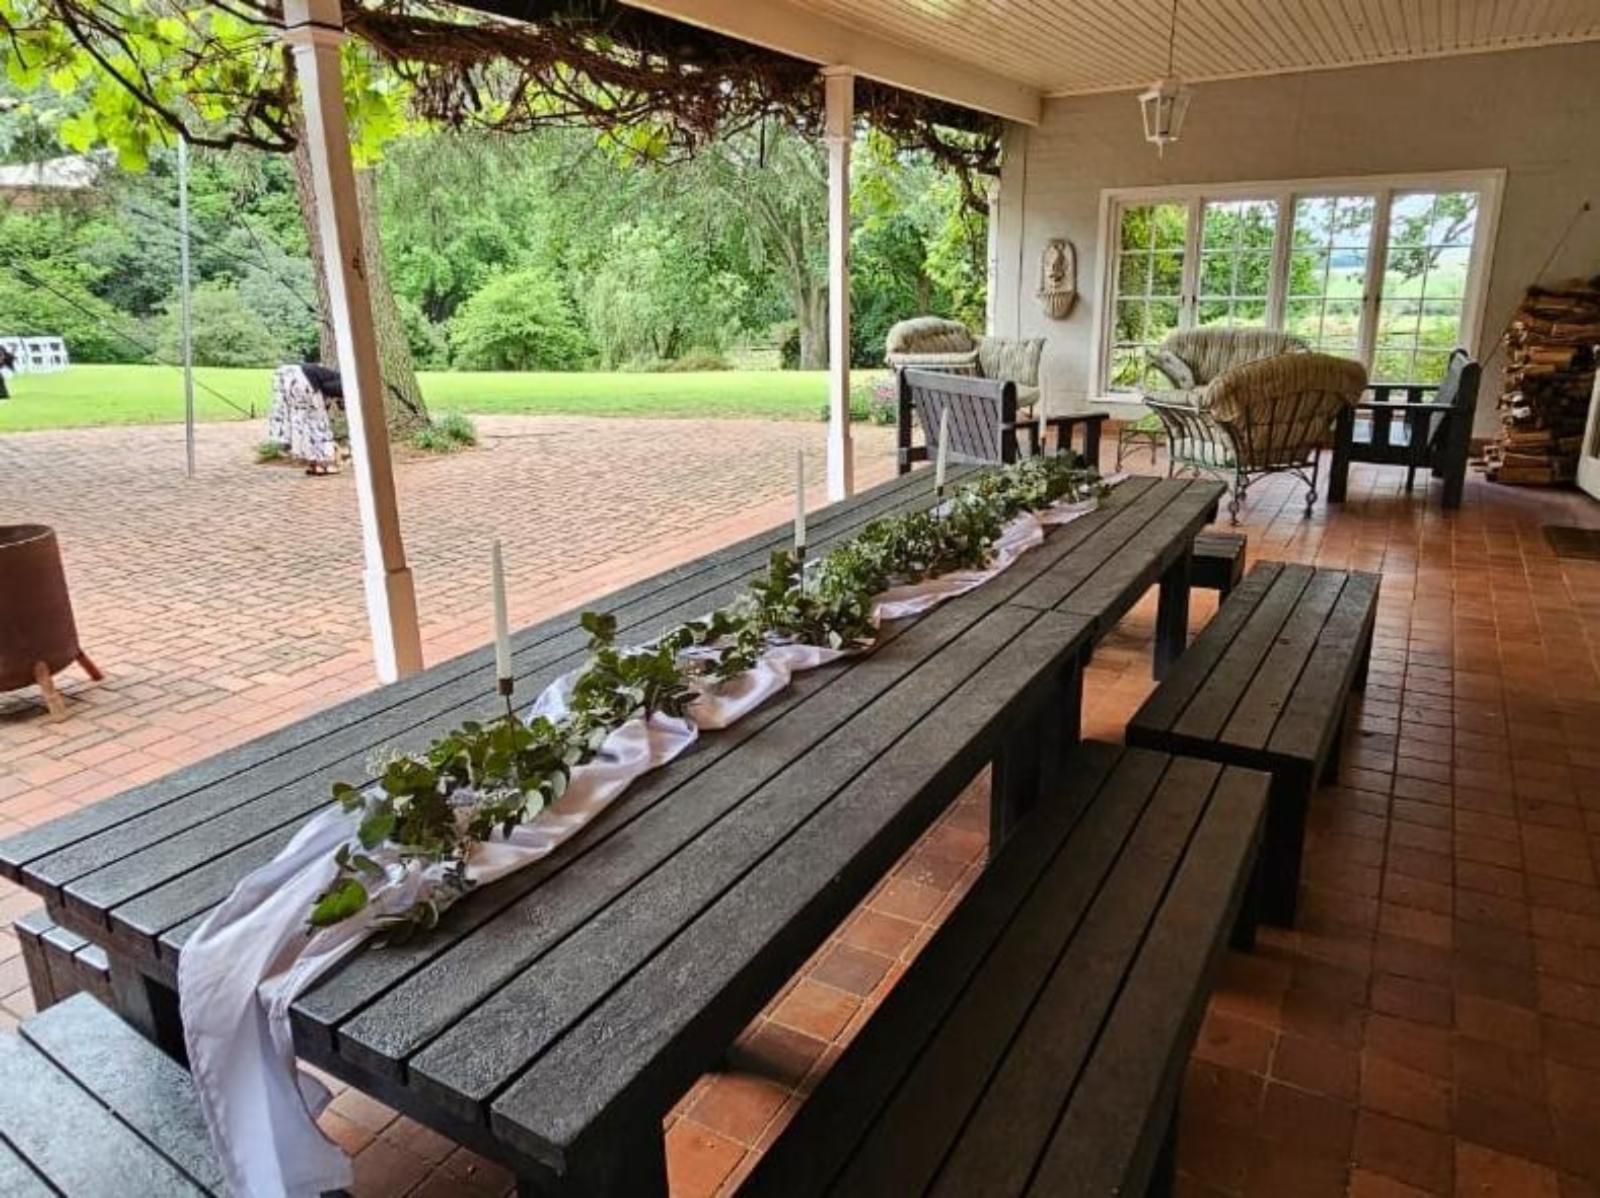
[1038, 1043]
[60, 963]
[979, 416]
[1265, 685]
[1218, 562]
[88, 1107]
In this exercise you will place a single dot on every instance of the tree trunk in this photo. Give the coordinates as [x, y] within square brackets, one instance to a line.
[811, 312]
[402, 396]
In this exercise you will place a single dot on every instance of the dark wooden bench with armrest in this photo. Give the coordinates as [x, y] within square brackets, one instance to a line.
[1265, 685]
[982, 425]
[89, 1108]
[1428, 427]
[1038, 1043]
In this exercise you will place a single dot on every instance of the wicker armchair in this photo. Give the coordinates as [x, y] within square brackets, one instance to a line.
[1196, 357]
[933, 343]
[1270, 416]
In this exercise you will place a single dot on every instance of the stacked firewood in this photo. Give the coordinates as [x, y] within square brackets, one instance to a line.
[1549, 376]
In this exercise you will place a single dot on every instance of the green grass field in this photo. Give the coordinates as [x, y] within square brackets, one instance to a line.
[91, 395]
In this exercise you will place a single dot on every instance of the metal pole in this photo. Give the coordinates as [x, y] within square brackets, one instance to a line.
[187, 331]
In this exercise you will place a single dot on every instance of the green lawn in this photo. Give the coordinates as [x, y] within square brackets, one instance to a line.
[87, 395]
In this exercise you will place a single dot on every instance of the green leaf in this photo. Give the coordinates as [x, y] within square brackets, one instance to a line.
[339, 903]
[376, 828]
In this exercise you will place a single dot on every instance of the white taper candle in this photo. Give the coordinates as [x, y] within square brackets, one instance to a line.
[944, 449]
[799, 501]
[502, 627]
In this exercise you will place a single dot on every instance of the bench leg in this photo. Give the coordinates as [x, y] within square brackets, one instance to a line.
[1243, 937]
[1172, 615]
[1281, 845]
[1164, 1174]
[1091, 444]
[147, 1005]
[1330, 767]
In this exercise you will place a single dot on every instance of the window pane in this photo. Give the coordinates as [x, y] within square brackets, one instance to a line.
[1328, 269]
[1148, 286]
[1130, 322]
[1429, 256]
[1237, 262]
[1216, 274]
[1352, 222]
[1163, 319]
[1166, 274]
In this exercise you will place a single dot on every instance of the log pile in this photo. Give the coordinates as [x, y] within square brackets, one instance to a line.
[1549, 376]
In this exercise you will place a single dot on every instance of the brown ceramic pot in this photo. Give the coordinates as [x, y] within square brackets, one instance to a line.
[35, 611]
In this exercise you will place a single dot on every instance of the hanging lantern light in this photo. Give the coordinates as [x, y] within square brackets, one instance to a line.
[1165, 102]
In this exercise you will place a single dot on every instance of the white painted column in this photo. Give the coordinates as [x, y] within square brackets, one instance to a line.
[315, 29]
[839, 132]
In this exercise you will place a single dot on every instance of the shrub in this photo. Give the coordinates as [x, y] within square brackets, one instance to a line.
[226, 331]
[518, 320]
[872, 398]
[430, 344]
[446, 434]
[696, 360]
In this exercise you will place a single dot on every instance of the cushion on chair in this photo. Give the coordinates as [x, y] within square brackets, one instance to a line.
[914, 342]
[1174, 367]
[1011, 359]
[1209, 353]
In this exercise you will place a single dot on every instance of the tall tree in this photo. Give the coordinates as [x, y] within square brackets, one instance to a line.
[119, 103]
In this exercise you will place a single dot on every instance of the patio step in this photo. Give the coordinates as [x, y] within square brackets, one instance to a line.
[88, 1107]
[60, 963]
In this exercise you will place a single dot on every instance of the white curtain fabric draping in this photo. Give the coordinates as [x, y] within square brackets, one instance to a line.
[255, 954]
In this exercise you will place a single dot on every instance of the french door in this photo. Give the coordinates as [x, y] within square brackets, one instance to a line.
[1391, 275]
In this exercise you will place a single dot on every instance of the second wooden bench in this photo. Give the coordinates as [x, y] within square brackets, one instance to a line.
[1265, 685]
[1037, 1044]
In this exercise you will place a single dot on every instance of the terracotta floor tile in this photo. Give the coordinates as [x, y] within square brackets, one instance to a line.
[698, 1159]
[1405, 1152]
[1484, 1173]
[1317, 1066]
[1405, 1093]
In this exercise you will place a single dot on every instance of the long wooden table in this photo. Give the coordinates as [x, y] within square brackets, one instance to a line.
[554, 1017]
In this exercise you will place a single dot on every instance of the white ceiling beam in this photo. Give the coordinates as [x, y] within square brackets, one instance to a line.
[790, 29]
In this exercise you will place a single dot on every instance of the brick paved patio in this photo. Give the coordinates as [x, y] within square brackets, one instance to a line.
[228, 605]
[1431, 1028]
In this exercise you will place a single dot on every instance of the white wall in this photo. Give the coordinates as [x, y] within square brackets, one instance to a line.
[1535, 113]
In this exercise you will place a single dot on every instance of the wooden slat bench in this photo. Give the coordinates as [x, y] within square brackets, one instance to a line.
[1218, 562]
[90, 1109]
[1265, 685]
[60, 963]
[1038, 1043]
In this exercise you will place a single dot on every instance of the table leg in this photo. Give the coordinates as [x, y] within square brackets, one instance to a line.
[1091, 443]
[632, 1168]
[1172, 615]
[1029, 763]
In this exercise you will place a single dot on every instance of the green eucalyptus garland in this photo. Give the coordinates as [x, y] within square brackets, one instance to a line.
[433, 807]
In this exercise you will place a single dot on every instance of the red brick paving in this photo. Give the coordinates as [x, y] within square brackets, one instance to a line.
[1433, 1025]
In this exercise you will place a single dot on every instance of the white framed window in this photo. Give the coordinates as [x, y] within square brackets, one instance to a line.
[1390, 271]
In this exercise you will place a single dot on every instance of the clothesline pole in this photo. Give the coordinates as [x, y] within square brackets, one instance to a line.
[314, 30]
[186, 319]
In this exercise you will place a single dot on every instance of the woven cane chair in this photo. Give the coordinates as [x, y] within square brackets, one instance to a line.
[1271, 416]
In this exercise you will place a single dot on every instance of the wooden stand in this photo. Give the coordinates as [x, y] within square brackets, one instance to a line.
[52, 694]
